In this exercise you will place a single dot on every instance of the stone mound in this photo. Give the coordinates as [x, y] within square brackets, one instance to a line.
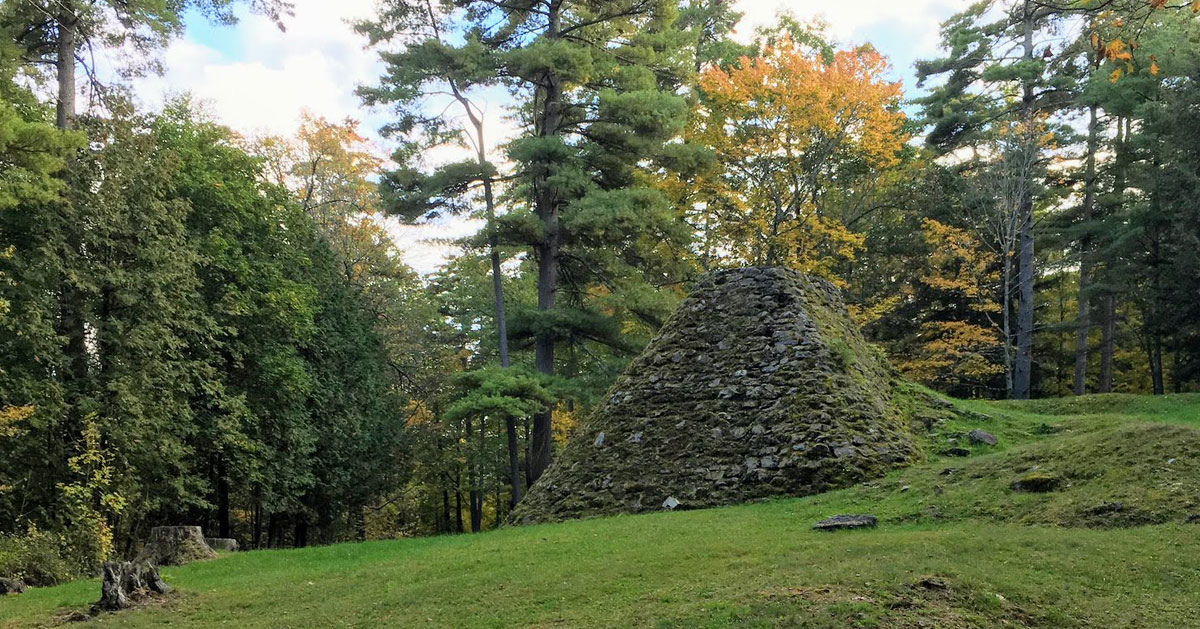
[759, 385]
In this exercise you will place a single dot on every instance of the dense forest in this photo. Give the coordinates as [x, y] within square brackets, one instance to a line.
[198, 327]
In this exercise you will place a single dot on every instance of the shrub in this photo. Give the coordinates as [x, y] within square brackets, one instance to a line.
[38, 558]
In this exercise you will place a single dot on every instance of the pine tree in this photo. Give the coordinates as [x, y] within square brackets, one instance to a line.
[595, 82]
[428, 65]
[988, 92]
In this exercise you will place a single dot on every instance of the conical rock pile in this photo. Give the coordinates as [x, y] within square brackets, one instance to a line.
[759, 385]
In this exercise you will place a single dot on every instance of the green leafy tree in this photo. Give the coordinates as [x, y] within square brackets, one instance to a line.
[489, 395]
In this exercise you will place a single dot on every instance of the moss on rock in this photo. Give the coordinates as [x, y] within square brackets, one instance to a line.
[759, 385]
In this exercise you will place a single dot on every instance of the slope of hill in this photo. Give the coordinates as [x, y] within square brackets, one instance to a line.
[957, 546]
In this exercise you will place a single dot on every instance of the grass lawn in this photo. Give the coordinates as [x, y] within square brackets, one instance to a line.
[956, 549]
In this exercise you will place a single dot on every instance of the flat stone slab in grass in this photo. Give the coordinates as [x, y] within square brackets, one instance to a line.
[227, 544]
[982, 437]
[839, 522]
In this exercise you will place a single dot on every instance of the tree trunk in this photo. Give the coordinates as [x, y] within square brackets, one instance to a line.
[1156, 365]
[257, 524]
[546, 203]
[498, 515]
[1022, 369]
[68, 44]
[223, 527]
[1108, 333]
[1083, 320]
[489, 198]
[1151, 318]
[474, 499]
[300, 532]
[446, 521]
[458, 521]
[1176, 381]
[528, 428]
[1006, 324]
[1108, 302]
[175, 546]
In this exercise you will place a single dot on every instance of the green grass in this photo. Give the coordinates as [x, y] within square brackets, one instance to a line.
[952, 550]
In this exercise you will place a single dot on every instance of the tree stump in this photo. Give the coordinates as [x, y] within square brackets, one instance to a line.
[126, 582]
[175, 546]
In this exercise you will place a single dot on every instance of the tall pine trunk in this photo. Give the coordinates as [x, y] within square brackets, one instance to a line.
[489, 199]
[1083, 320]
[473, 498]
[458, 520]
[1151, 318]
[510, 423]
[71, 306]
[1108, 335]
[1108, 303]
[549, 118]
[68, 44]
[1023, 367]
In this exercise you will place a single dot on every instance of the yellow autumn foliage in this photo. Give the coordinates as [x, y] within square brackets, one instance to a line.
[963, 349]
[783, 127]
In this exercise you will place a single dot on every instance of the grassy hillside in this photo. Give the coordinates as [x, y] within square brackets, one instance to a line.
[959, 548]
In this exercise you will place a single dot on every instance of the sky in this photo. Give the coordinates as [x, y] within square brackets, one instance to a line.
[257, 80]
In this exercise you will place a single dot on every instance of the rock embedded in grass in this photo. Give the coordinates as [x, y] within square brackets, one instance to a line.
[1036, 483]
[226, 544]
[11, 586]
[982, 437]
[839, 522]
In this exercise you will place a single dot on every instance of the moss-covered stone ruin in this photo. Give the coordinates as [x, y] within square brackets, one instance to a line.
[759, 385]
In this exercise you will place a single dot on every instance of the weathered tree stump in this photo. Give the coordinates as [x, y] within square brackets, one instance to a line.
[126, 582]
[175, 546]
[227, 544]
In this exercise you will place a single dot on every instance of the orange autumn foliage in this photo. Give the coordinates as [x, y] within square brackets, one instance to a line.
[964, 347]
[791, 132]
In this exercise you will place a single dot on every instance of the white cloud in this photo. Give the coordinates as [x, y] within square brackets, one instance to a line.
[849, 20]
[315, 66]
[427, 246]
